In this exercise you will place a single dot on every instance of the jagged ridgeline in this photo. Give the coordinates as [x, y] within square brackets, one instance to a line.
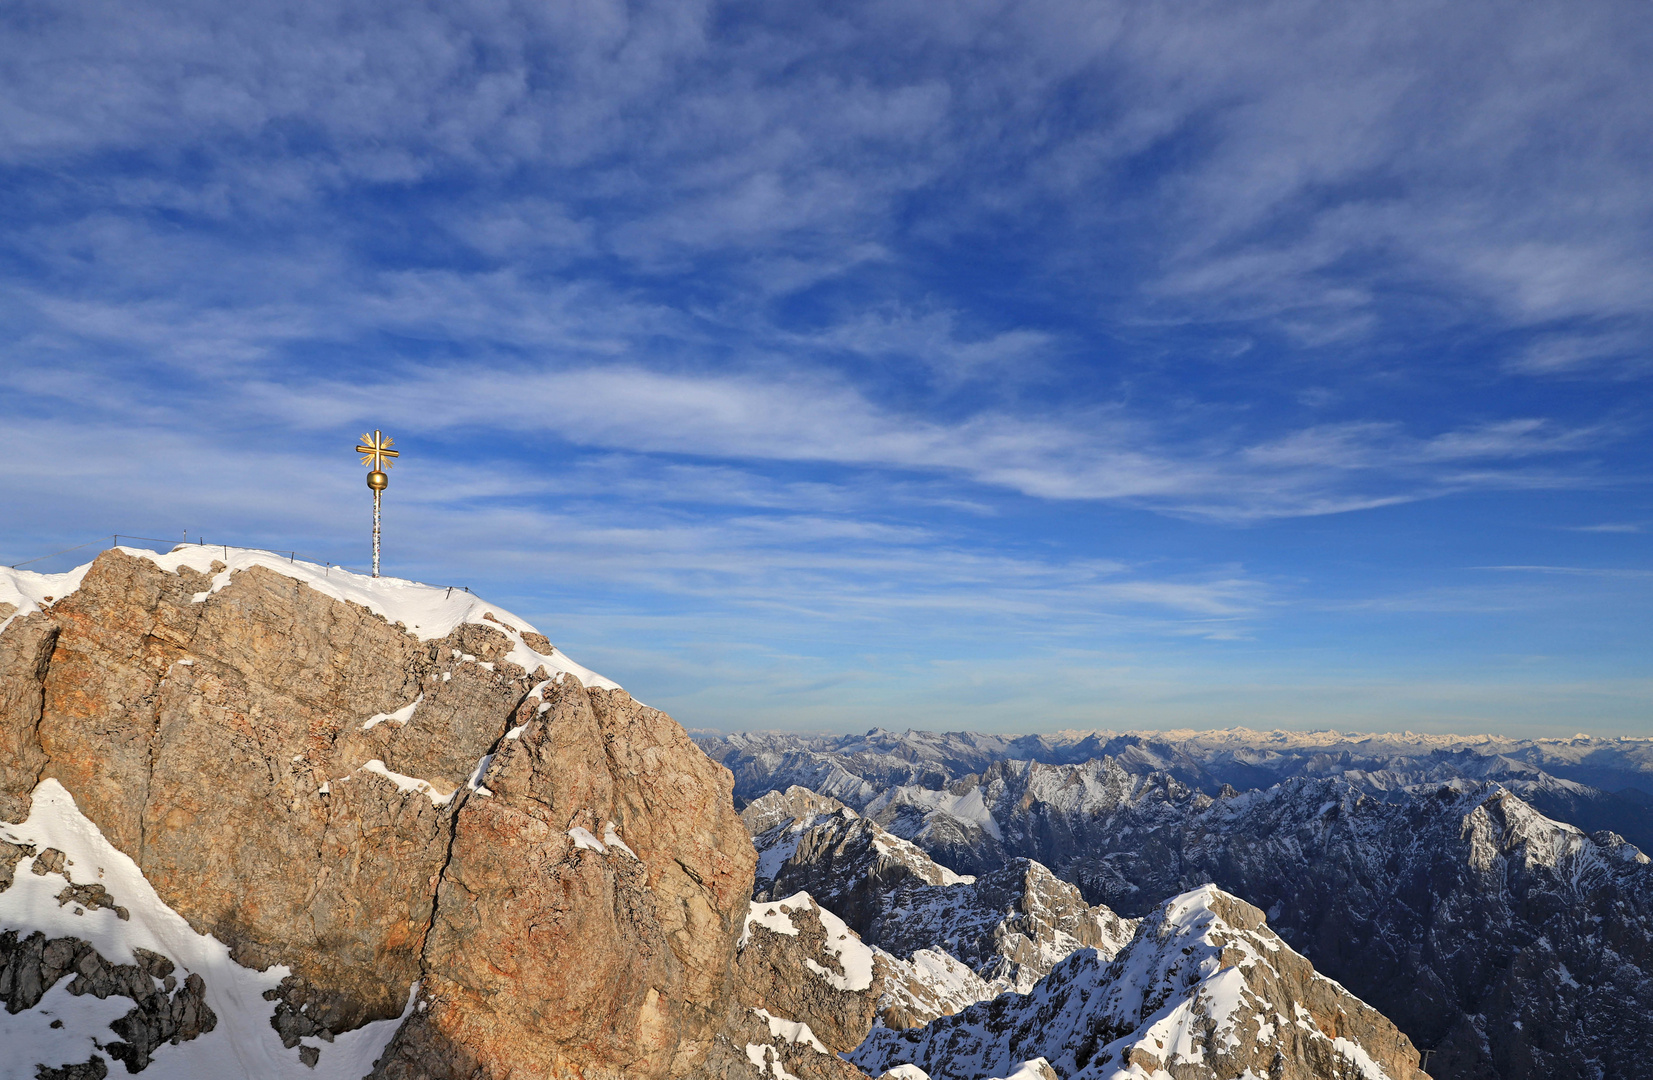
[1418, 871]
[260, 818]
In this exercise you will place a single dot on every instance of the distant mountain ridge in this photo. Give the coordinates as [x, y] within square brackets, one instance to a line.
[1509, 944]
[1593, 783]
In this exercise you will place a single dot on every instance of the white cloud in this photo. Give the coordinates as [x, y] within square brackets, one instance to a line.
[1455, 146]
[1077, 454]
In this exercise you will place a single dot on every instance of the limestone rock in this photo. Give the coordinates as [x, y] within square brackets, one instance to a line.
[808, 990]
[603, 866]
[314, 785]
[25, 653]
[238, 719]
[94, 1068]
[10, 855]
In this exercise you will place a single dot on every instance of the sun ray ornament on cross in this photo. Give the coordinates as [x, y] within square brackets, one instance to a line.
[376, 454]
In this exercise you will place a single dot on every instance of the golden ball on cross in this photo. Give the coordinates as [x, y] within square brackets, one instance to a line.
[377, 480]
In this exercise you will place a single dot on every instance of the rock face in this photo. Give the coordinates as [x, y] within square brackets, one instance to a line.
[1206, 990]
[374, 803]
[25, 652]
[808, 991]
[593, 866]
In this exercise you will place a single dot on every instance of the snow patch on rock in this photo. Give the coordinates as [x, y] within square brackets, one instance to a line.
[793, 1031]
[772, 918]
[400, 716]
[406, 784]
[241, 1044]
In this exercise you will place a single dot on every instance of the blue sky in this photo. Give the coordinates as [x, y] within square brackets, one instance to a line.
[1011, 366]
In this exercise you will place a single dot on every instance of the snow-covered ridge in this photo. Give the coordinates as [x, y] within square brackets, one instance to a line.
[428, 612]
[967, 808]
[929, 984]
[854, 959]
[1205, 989]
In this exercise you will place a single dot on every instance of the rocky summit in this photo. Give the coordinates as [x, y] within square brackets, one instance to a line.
[274, 819]
[260, 818]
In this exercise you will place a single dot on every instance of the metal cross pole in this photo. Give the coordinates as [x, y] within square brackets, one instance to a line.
[376, 454]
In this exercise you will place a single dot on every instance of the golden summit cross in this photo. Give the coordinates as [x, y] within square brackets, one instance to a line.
[376, 454]
[375, 448]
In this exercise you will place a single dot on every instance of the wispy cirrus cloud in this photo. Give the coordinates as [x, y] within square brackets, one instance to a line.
[968, 326]
[1606, 527]
[1101, 454]
[1313, 160]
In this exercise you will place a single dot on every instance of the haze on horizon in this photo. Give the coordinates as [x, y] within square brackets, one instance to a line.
[1005, 367]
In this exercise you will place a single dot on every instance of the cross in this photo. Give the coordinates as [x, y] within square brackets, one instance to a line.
[375, 448]
[376, 454]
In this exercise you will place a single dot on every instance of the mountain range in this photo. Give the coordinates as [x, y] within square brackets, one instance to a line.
[1503, 941]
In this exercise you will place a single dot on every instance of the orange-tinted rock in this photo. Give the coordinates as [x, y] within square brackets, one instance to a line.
[606, 870]
[220, 739]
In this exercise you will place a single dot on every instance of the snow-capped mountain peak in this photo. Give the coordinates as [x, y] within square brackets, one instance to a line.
[1204, 990]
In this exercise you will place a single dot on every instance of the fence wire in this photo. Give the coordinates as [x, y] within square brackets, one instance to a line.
[114, 540]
